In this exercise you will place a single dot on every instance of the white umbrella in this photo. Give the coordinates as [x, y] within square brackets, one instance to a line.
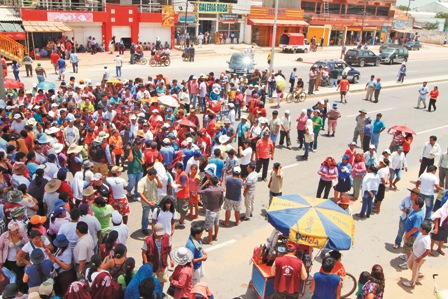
[168, 101]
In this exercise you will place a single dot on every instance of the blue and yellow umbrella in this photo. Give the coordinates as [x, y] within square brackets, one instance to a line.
[312, 221]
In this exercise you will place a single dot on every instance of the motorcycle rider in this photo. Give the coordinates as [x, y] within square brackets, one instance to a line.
[165, 53]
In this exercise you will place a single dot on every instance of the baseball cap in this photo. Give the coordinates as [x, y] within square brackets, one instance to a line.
[116, 217]
[159, 230]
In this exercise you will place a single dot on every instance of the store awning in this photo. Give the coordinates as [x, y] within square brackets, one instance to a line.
[34, 26]
[401, 30]
[12, 30]
[9, 15]
[270, 22]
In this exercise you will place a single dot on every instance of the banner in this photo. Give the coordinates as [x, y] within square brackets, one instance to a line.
[167, 16]
[69, 17]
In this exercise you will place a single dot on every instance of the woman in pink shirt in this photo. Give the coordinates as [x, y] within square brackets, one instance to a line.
[358, 173]
[301, 123]
[193, 88]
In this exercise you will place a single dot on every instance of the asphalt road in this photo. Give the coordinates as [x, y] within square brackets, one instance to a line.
[227, 270]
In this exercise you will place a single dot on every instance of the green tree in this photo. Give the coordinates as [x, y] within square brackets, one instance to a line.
[403, 8]
[442, 15]
[431, 26]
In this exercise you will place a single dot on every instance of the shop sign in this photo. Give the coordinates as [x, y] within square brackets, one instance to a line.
[229, 18]
[190, 19]
[384, 28]
[280, 12]
[167, 16]
[69, 17]
[212, 7]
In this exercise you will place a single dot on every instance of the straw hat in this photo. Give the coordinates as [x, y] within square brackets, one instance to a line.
[53, 185]
[101, 137]
[88, 191]
[74, 149]
[58, 147]
[181, 255]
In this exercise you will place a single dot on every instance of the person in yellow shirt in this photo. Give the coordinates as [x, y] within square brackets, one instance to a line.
[88, 104]
[269, 57]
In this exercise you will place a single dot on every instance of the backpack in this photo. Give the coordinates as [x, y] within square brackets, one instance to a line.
[96, 151]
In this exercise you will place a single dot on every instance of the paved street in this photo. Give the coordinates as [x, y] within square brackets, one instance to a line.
[227, 270]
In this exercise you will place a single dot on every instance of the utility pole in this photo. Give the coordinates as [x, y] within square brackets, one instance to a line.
[363, 20]
[186, 15]
[274, 37]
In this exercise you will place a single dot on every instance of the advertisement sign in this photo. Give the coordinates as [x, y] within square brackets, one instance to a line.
[229, 18]
[212, 7]
[190, 19]
[167, 16]
[70, 17]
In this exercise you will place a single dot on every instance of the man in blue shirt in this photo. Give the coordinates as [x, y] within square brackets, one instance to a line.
[218, 162]
[167, 151]
[367, 134]
[61, 68]
[413, 222]
[74, 59]
[194, 243]
[241, 130]
[378, 127]
[378, 86]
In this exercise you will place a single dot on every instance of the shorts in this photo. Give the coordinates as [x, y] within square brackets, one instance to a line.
[230, 205]
[197, 275]
[182, 206]
[194, 197]
[343, 93]
[408, 244]
[121, 205]
[211, 219]
[61, 72]
[162, 275]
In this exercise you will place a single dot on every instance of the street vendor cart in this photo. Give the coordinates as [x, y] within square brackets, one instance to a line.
[310, 223]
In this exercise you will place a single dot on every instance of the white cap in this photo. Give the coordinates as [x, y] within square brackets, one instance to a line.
[189, 140]
[372, 146]
[237, 169]
[243, 117]
[133, 117]
[98, 176]
[155, 111]
[287, 112]
[166, 141]
[231, 105]
[98, 84]
[54, 105]
[166, 125]
[116, 217]
[17, 116]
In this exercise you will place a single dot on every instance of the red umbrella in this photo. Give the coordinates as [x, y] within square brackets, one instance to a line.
[404, 129]
[186, 122]
[12, 83]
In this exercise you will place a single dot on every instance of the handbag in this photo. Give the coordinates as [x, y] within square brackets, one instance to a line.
[170, 290]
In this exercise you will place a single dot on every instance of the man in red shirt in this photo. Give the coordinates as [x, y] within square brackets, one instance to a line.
[288, 271]
[344, 87]
[264, 150]
[54, 60]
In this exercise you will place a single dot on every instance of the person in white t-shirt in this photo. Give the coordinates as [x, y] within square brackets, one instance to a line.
[119, 185]
[427, 182]
[118, 65]
[36, 241]
[121, 228]
[245, 153]
[165, 214]
[420, 250]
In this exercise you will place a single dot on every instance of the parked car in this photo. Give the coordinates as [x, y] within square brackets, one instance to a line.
[361, 57]
[329, 65]
[413, 45]
[240, 64]
[294, 43]
[387, 45]
[393, 55]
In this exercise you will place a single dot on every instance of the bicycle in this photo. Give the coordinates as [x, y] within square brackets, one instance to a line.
[298, 95]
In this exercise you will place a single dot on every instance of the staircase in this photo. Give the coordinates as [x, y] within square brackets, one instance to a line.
[326, 8]
[11, 49]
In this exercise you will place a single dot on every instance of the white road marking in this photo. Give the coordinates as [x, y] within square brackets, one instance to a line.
[214, 247]
[373, 111]
[289, 166]
[433, 129]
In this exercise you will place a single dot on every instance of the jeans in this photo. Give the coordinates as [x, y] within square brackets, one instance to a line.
[377, 94]
[145, 216]
[307, 149]
[29, 70]
[132, 58]
[395, 172]
[193, 99]
[273, 137]
[429, 204]
[375, 140]
[316, 134]
[238, 111]
[401, 231]
[133, 179]
[40, 78]
[334, 82]
[75, 67]
[201, 101]
[118, 71]
[367, 203]
[292, 82]
[271, 90]
[311, 86]
[16, 75]
[265, 164]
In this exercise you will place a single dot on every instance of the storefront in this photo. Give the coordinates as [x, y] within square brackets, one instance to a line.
[261, 21]
[318, 32]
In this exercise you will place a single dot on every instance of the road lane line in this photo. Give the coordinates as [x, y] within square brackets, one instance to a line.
[433, 129]
[373, 111]
[289, 166]
[214, 247]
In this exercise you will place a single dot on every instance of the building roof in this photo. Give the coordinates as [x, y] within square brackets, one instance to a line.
[9, 15]
[433, 7]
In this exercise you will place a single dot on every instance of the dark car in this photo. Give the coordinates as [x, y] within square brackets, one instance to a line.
[387, 45]
[329, 65]
[393, 55]
[240, 64]
[362, 57]
[414, 45]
